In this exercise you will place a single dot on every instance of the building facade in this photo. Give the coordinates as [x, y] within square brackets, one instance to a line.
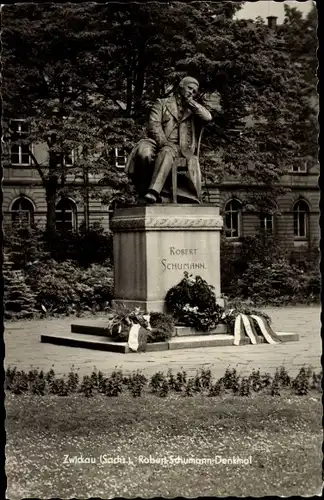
[294, 218]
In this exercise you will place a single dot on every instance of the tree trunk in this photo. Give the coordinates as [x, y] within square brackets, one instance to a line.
[51, 192]
[140, 76]
[129, 97]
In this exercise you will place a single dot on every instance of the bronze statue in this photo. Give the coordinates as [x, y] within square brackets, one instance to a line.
[174, 128]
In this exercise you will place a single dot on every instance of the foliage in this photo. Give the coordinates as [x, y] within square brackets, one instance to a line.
[86, 247]
[245, 387]
[156, 382]
[278, 283]
[216, 389]
[162, 326]
[231, 379]
[114, 384]
[234, 308]
[87, 386]
[193, 303]
[265, 272]
[301, 383]
[275, 385]
[38, 383]
[66, 288]
[136, 383]
[121, 319]
[248, 75]
[18, 297]
[24, 244]
[256, 381]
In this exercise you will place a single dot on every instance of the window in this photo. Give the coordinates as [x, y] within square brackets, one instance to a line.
[233, 214]
[68, 159]
[120, 158]
[266, 222]
[301, 211]
[19, 153]
[65, 214]
[299, 167]
[22, 212]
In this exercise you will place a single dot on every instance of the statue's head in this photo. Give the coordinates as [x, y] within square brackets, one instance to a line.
[188, 87]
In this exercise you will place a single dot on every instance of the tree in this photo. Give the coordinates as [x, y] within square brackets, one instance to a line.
[46, 50]
[18, 298]
[87, 74]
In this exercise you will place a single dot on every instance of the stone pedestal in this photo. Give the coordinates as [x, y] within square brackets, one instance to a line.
[155, 244]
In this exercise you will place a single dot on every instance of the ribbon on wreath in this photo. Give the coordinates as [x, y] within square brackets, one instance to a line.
[245, 326]
[137, 337]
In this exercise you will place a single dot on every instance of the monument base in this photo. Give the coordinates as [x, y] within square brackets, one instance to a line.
[145, 305]
[154, 245]
[149, 305]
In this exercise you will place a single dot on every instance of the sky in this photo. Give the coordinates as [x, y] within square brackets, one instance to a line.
[266, 8]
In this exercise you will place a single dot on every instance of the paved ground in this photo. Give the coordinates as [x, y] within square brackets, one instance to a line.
[24, 349]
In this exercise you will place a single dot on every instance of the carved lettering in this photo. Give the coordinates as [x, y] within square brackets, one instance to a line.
[181, 266]
[183, 251]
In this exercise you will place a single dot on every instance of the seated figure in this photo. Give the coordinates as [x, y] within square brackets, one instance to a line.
[175, 124]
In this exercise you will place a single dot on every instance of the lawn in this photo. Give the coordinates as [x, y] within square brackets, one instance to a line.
[282, 435]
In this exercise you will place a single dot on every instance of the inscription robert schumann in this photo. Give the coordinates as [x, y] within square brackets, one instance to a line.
[168, 265]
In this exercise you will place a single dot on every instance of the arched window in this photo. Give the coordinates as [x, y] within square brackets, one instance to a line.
[65, 215]
[233, 216]
[22, 211]
[266, 222]
[301, 212]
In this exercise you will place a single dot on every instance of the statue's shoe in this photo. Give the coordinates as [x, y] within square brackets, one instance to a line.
[150, 198]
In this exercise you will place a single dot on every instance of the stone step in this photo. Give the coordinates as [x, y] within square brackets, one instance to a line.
[105, 343]
[187, 331]
[179, 331]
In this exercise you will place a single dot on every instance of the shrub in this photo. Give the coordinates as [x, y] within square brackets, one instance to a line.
[193, 303]
[114, 384]
[87, 386]
[59, 387]
[24, 244]
[216, 389]
[275, 385]
[162, 326]
[156, 382]
[301, 384]
[189, 388]
[18, 297]
[20, 383]
[73, 381]
[205, 377]
[164, 389]
[84, 247]
[231, 379]
[136, 383]
[65, 288]
[181, 381]
[277, 283]
[245, 387]
[256, 381]
[265, 271]
[171, 380]
[38, 386]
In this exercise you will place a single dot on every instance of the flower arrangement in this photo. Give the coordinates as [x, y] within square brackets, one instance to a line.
[121, 320]
[159, 326]
[193, 303]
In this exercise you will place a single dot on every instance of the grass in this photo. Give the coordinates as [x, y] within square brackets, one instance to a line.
[282, 435]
